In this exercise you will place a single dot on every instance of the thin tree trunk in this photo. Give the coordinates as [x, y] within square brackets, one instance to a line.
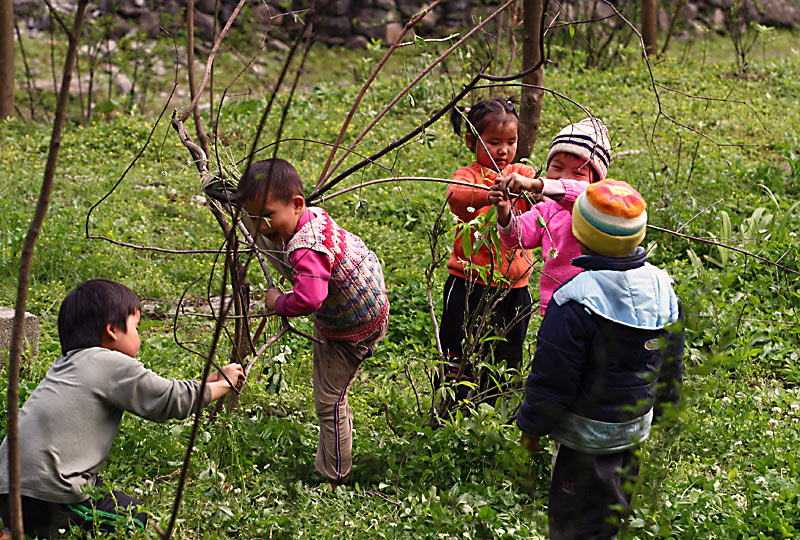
[23, 281]
[202, 138]
[650, 26]
[531, 99]
[6, 58]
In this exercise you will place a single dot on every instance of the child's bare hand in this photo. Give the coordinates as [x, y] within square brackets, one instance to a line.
[234, 372]
[498, 193]
[531, 444]
[498, 196]
[271, 297]
[517, 183]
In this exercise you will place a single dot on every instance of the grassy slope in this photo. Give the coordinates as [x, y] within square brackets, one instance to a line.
[727, 470]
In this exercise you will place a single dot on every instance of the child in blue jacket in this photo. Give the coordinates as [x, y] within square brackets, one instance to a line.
[604, 359]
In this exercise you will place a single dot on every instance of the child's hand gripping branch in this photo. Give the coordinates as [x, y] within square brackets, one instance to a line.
[217, 383]
[271, 297]
[513, 185]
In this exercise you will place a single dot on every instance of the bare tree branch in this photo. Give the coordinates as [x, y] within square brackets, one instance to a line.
[210, 60]
[408, 87]
[23, 279]
[410, 24]
[726, 246]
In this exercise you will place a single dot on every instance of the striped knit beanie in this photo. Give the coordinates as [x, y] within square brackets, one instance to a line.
[610, 218]
[587, 139]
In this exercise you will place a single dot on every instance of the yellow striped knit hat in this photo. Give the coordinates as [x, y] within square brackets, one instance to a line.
[610, 218]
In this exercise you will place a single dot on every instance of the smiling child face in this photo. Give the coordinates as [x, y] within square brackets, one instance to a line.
[274, 219]
[569, 166]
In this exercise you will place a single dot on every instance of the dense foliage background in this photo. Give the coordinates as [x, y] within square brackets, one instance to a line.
[725, 467]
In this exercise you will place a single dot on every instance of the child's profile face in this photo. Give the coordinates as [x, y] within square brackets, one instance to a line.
[499, 143]
[127, 341]
[274, 219]
[569, 166]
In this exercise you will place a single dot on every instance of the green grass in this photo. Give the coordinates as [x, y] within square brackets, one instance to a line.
[726, 469]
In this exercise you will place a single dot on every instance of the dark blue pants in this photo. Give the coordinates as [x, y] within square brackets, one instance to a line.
[587, 498]
[451, 331]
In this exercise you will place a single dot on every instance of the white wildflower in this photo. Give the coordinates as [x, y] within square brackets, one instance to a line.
[777, 410]
[773, 423]
[774, 496]
[726, 400]
[470, 209]
[769, 433]
[760, 481]
[737, 443]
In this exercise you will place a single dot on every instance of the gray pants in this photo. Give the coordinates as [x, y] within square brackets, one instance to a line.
[335, 366]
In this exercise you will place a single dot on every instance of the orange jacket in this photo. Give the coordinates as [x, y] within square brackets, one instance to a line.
[467, 203]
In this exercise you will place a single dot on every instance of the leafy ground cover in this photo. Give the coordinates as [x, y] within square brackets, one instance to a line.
[725, 467]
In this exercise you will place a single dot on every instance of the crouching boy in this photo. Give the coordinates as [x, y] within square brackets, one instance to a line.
[604, 358]
[68, 424]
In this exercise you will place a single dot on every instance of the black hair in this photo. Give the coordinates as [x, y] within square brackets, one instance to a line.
[269, 178]
[89, 307]
[480, 115]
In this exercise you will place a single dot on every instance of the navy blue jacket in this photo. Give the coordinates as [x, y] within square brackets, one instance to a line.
[603, 351]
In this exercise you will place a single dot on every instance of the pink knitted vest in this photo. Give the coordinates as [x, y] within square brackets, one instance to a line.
[357, 305]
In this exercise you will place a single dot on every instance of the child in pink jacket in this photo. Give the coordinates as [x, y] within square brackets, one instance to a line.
[578, 155]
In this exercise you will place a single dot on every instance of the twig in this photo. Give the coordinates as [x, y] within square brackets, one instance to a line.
[726, 246]
[199, 412]
[210, 60]
[429, 40]
[284, 329]
[59, 20]
[384, 497]
[152, 248]
[409, 86]
[414, 387]
[398, 142]
[24, 276]
[672, 22]
[198, 122]
[131, 164]
[701, 212]
[28, 76]
[410, 24]
[388, 420]
[399, 179]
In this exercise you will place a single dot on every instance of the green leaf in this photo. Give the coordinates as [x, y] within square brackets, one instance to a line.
[105, 107]
[466, 241]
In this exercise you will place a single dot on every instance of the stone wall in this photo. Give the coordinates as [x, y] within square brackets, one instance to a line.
[354, 22]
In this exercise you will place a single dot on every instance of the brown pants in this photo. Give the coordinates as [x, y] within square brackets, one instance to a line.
[335, 366]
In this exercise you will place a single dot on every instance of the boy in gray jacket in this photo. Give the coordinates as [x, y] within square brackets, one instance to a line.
[68, 424]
